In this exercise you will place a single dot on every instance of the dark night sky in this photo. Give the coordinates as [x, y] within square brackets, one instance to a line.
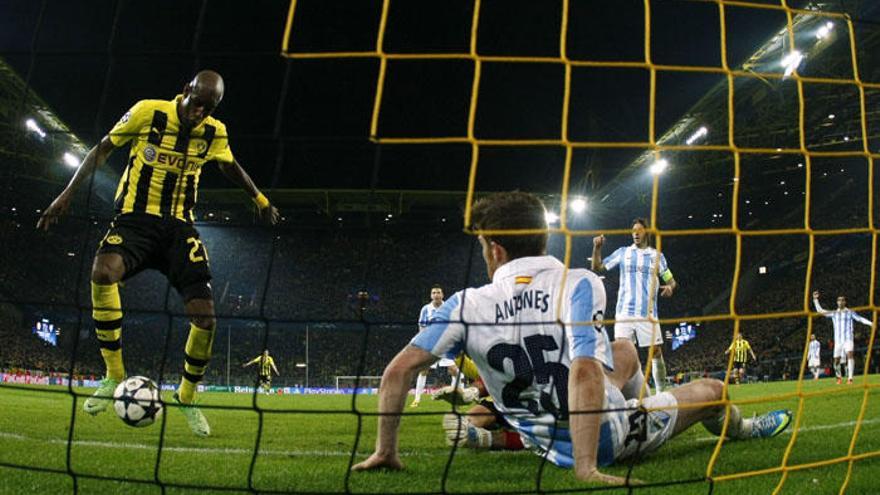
[90, 60]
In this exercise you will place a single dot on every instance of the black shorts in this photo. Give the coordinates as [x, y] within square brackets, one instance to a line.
[738, 365]
[500, 421]
[170, 246]
[265, 379]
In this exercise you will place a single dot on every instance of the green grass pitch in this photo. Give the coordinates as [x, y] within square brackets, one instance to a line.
[310, 451]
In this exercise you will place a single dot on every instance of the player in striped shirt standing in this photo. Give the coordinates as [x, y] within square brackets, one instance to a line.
[425, 316]
[640, 266]
[842, 318]
[814, 361]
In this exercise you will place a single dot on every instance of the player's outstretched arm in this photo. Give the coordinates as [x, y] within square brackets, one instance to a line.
[586, 393]
[235, 173]
[596, 262]
[819, 306]
[94, 159]
[392, 396]
[862, 320]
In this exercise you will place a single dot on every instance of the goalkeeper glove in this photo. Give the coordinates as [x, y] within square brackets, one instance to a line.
[457, 395]
[459, 431]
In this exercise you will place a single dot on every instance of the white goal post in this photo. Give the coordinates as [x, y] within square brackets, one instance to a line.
[365, 381]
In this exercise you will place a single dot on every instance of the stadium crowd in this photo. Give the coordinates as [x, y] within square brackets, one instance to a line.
[293, 278]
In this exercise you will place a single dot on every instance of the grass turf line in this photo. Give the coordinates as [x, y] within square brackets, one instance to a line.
[309, 451]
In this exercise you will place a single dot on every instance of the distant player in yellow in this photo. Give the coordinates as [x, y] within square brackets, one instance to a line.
[741, 349]
[170, 140]
[267, 365]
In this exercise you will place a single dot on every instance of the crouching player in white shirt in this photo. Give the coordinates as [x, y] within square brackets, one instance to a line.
[558, 385]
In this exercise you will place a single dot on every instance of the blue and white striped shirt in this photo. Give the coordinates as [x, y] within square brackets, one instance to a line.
[843, 322]
[426, 314]
[522, 331]
[637, 272]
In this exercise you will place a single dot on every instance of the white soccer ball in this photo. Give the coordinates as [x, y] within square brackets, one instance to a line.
[136, 401]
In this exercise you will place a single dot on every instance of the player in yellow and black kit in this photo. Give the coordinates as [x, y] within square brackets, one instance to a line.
[741, 349]
[267, 365]
[170, 143]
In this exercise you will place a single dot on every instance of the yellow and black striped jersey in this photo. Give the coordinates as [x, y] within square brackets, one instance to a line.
[740, 350]
[162, 175]
[265, 364]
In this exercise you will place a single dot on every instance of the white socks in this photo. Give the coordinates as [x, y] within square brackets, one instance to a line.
[658, 372]
[736, 428]
[633, 387]
[850, 368]
[420, 385]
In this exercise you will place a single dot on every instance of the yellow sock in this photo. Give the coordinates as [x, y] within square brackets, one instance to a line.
[107, 313]
[197, 354]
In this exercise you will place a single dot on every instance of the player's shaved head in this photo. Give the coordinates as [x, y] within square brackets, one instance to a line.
[200, 97]
[208, 82]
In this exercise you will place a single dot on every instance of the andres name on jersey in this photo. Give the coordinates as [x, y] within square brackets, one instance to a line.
[530, 299]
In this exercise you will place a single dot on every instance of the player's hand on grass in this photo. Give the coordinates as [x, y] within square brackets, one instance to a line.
[54, 212]
[379, 461]
[598, 241]
[270, 215]
[596, 476]
[666, 291]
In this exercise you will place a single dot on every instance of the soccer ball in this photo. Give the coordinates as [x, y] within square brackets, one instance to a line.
[136, 401]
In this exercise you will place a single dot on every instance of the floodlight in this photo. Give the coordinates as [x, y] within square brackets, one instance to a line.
[71, 160]
[659, 166]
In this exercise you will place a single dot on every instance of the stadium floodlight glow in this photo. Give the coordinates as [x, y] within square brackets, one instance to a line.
[701, 132]
[825, 30]
[578, 205]
[791, 62]
[551, 217]
[70, 160]
[32, 126]
[659, 166]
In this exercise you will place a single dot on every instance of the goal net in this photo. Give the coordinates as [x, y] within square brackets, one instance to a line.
[358, 384]
[745, 132]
